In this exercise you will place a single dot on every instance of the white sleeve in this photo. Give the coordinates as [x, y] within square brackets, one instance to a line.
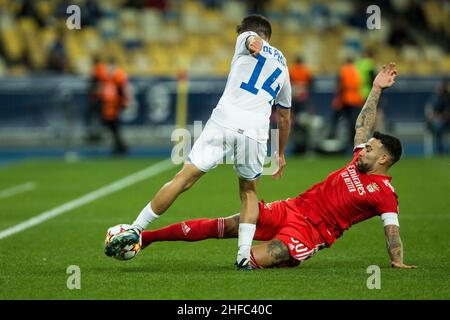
[241, 47]
[359, 146]
[390, 218]
[284, 98]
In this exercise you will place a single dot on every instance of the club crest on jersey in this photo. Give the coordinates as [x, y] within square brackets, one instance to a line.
[373, 187]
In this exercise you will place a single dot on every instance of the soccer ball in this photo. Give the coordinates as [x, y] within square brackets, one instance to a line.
[128, 252]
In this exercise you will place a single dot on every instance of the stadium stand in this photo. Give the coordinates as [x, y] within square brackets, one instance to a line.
[44, 66]
[156, 37]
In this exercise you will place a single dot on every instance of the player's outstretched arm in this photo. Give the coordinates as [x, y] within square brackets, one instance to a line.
[366, 119]
[395, 247]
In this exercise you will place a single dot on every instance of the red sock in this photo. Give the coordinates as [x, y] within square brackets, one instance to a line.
[192, 230]
[253, 262]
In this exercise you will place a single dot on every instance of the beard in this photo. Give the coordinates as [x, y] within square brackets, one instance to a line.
[362, 167]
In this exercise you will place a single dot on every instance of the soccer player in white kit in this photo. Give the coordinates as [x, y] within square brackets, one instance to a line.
[238, 130]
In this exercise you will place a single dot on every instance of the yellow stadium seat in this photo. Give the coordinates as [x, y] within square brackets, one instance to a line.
[13, 44]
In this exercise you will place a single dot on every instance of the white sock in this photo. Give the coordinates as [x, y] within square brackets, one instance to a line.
[246, 234]
[146, 217]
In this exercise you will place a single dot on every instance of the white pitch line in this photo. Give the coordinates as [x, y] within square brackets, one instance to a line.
[17, 189]
[89, 197]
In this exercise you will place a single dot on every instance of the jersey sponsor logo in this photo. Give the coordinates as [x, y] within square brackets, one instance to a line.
[373, 187]
[352, 181]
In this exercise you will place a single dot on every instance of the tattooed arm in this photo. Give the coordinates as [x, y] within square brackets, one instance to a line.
[395, 247]
[366, 119]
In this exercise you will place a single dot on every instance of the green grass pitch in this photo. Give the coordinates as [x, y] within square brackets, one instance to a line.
[33, 263]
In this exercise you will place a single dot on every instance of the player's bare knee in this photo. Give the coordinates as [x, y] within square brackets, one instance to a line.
[247, 190]
[246, 186]
[185, 179]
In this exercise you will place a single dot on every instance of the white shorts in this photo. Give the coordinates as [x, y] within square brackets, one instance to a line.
[217, 145]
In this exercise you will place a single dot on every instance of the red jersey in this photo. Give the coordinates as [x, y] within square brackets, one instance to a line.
[344, 198]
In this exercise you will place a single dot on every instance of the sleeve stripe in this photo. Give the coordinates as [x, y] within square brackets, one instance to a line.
[279, 105]
[359, 146]
[390, 218]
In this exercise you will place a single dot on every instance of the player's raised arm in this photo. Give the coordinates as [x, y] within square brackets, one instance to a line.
[366, 119]
[395, 246]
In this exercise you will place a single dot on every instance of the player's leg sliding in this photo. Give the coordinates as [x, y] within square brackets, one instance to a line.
[182, 181]
[269, 254]
[191, 230]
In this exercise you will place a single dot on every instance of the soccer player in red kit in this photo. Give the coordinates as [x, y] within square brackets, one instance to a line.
[295, 229]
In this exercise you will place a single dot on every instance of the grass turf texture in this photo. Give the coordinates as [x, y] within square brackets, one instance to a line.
[33, 263]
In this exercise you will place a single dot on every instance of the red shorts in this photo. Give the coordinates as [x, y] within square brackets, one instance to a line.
[278, 220]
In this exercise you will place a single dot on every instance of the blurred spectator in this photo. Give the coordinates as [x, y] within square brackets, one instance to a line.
[93, 114]
[348, 99]
[115, 96]
[57, 56]
[301, 81]
[437, 113]
[367, 73]
[400, 34]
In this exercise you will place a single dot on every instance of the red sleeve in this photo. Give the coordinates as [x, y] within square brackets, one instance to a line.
[387, 203]
[358, 148]
[356, 151]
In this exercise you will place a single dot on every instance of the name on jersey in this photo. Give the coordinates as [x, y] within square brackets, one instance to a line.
[352, 180]
[275, 53]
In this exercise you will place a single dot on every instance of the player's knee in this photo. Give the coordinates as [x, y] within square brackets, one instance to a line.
[247, 185]
[247, 189]
[231, 226]
[184, 180]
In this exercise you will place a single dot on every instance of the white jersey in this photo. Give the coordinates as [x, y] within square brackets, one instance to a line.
[254, 85]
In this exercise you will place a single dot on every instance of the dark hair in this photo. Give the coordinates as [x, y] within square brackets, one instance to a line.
[391, 144]
[256, 23]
